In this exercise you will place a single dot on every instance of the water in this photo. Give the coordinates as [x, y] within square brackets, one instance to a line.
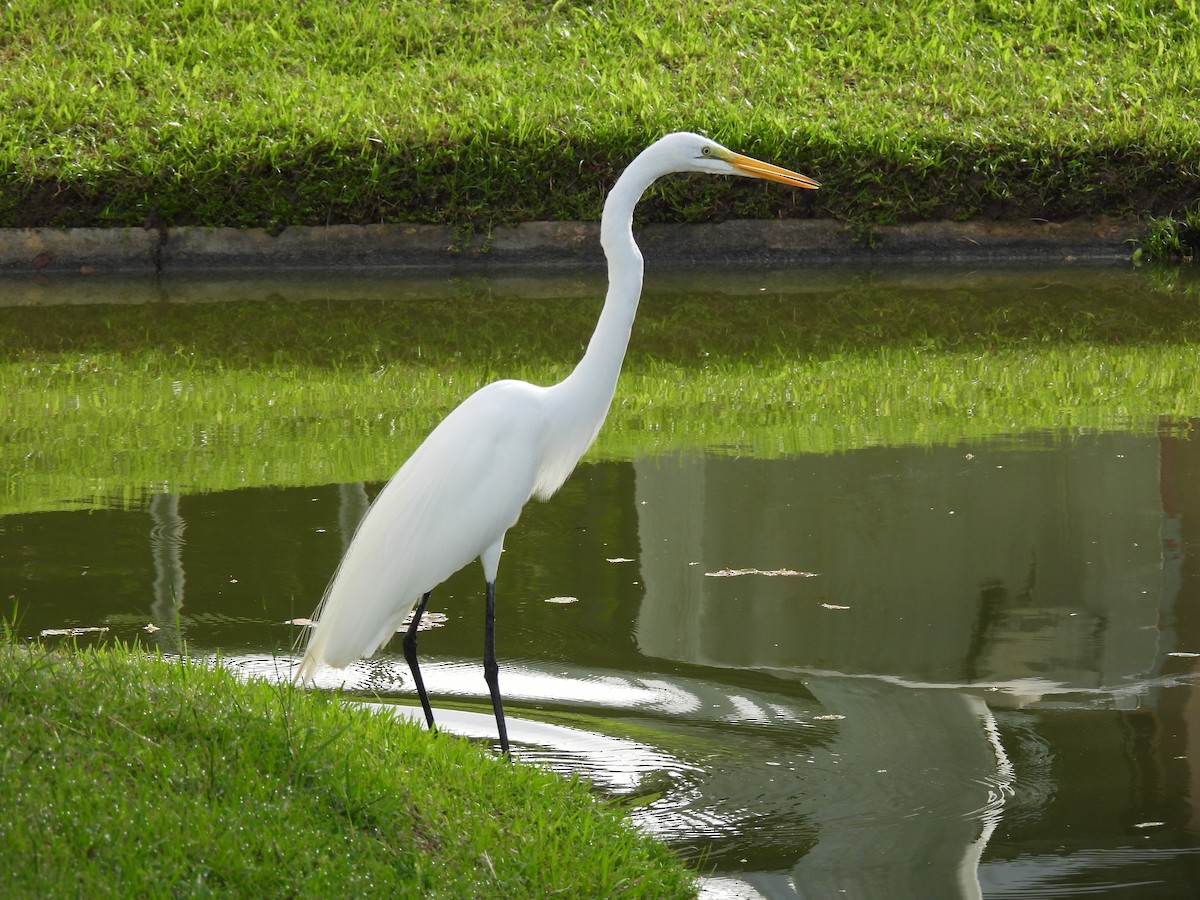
[955, 669]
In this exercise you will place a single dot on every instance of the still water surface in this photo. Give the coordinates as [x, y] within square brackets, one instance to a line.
[939, 671]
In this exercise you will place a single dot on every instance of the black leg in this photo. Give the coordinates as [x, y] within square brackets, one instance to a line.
[410, 654]
[491, 671]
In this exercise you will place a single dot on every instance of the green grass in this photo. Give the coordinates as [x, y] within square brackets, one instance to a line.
[1171, 239]
[129, 775]
[256, 113]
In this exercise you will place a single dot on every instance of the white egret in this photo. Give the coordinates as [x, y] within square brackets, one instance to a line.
[464, 487]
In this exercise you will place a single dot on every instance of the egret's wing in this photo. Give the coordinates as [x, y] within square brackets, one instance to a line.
[452, 499]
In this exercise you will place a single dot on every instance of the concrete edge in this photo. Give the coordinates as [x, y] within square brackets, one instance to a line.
[551, 245]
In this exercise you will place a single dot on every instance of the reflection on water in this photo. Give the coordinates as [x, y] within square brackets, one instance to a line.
[166, 547]
[981, 680]
[987, 688]
[1025, 563]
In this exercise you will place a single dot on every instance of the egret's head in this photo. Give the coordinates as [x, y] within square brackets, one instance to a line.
[696, 153]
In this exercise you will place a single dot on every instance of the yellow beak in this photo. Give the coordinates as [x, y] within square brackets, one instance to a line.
[755, 168]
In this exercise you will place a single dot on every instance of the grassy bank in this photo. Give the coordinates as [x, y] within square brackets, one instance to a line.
[135, 776]
[254, 113]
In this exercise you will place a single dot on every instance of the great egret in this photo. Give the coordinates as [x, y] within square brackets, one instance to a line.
[465, 486]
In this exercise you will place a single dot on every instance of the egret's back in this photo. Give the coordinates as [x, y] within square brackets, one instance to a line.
[449, 503]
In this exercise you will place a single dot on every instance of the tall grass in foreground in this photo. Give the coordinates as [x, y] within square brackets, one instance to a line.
[139, 777]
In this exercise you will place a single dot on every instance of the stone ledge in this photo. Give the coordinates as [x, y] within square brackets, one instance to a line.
[556, 245]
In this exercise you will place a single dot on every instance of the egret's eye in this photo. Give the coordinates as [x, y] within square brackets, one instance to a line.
[707, 151]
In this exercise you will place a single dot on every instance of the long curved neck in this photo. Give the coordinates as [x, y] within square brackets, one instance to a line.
[595, 377]
[575, 407]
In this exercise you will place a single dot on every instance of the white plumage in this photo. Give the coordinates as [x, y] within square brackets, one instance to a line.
[454, 499]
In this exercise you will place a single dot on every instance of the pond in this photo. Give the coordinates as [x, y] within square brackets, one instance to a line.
[917, 640]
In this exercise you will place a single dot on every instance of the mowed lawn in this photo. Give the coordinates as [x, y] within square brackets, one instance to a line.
[211, 112]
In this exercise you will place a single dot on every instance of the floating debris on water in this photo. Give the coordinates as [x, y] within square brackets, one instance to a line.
[72, 632]
[770, 573]
[428, 621]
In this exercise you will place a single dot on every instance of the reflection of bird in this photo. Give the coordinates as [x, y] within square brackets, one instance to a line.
[464, 487]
